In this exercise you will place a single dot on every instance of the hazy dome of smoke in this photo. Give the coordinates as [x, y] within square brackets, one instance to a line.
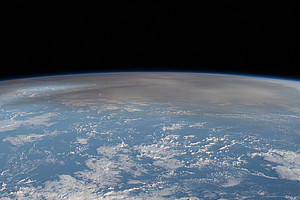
[183, 87]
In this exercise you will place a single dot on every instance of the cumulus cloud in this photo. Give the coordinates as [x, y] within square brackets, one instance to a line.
[132, 109]
[232, 182]
[12, 124]
[22, 139]
[288, 163]
[81, 140]
[173, 127]
[66, 187]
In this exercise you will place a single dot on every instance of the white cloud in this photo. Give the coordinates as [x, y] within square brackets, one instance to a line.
[163, 152]
[188, 136]
[289, 173]
[157, 151]
[66, 187]
[170, 164]
[102, 172]
[134, 182]
[22, 139]
[288, 163]
[173, 127]
[12, 124]
[231, 181]
[109, 107]
[130, 120]
[82, 140]
[200, 163]
[200, 125]
[132, 109]
[108, 151]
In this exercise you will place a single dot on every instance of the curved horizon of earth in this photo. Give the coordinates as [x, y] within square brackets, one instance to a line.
[149, 135]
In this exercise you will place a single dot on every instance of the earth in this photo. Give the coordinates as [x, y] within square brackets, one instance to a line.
[149, 135]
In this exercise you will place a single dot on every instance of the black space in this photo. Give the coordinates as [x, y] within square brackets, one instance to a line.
[51, 38]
